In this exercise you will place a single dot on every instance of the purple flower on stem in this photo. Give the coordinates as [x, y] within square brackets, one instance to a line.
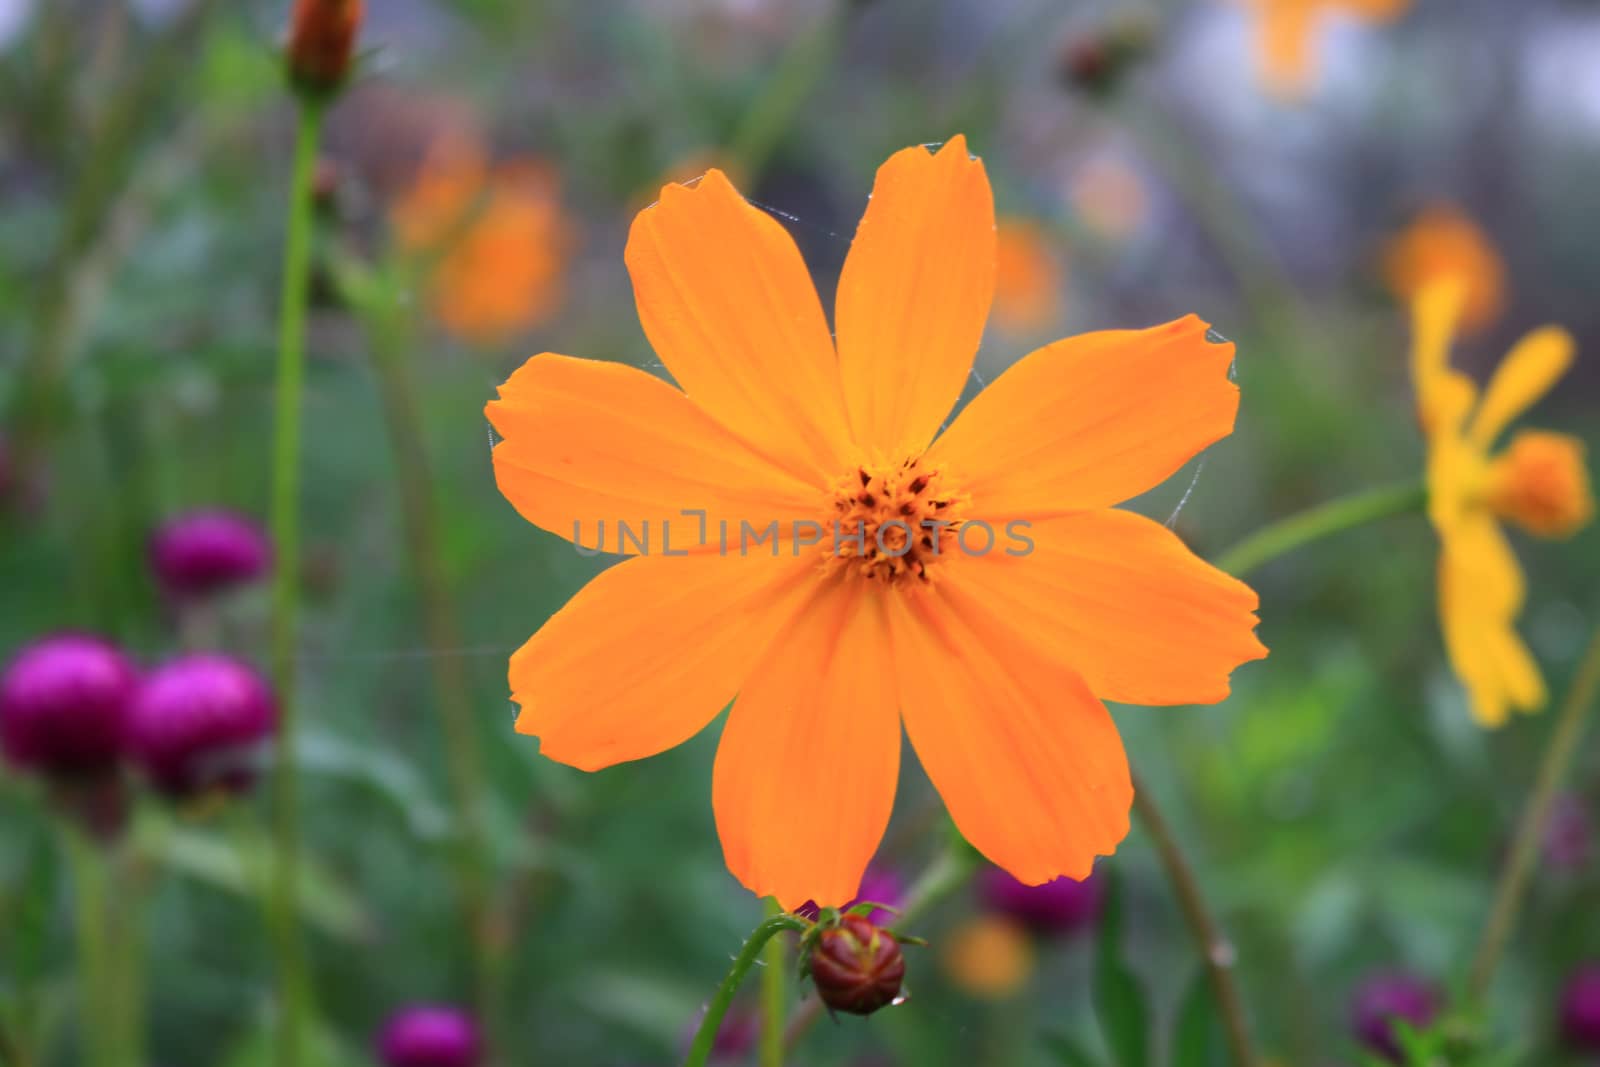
[1061, 906]
[430, 1035]
[63, 705]
[1382, 1000]
[1580, 1010]
[204, 552]
[196, 722]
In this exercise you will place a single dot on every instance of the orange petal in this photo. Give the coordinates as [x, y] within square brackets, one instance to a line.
[1286, 46]
[914, 295]
[591, 445]
[1026, 758]
[649, 652]
[1527, 373]
[1091, 421]
[1123, 602]
[806, 772]
[728, 305]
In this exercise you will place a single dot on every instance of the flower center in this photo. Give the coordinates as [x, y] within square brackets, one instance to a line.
[892, 522]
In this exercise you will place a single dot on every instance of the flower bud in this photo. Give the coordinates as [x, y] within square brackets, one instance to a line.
[1382, 1000]
[1580, 1011]
[205, 552]
[63, 702]
[1542, 483]
[430, 1035]
[196, 722]
[857, 967]
[322, 42]
[1062, 906]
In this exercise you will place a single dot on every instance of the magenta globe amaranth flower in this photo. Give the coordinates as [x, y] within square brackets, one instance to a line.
[196, 723]
[204, 552]
[1061, 906]
[1382, 1000]
[63, 705]
[1580, 1010]
[430, 1035]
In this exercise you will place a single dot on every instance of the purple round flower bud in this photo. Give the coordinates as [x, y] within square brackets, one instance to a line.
[879, 885]
[1580, 1010]
[430, 1035]
[195, 722]
[1382, 1000]
[1061, 906]
[204, 552]
[63, 702]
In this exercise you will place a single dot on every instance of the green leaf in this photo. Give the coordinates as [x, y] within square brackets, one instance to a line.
[1197, 1038]
[1119, 1001]
[241, 865]
[1067, 1052]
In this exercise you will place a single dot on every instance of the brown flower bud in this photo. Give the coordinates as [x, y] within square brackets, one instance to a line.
[322, 41]
[857, 967]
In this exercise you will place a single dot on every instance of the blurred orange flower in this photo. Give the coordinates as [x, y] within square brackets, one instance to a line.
[988, 956]
[1540, 482]
[1028, 277]
[494, 238]
[1286, 32]
[1442, 243]
[1109, 194]
[872, 593]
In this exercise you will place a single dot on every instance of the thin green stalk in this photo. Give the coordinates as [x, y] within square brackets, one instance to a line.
[1514, 878]
[1285, 535]
[761, 128]
[774, 992]
[388, 341]
[97, 1013]
[711, 1023]
[293, 989]
[1216, 953]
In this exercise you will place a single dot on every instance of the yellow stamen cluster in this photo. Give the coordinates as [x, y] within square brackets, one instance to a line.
[892, 522]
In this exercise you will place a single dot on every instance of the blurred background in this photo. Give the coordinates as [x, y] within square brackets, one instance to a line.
[1286, 174]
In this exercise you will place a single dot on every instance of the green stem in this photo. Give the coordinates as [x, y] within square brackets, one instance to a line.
[706, 1035]
[286, 935]
[774, 991]
[388, 341]
[1514, 878]
[1285, 535]
[761, 128]
[1216, 953]
[97, 1011]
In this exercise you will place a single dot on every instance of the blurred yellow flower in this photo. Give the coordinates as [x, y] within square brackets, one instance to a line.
[497, 237]
[988, 956]
[1028, 277]
[1443, 243]
[1540, 482]
[1286, 32]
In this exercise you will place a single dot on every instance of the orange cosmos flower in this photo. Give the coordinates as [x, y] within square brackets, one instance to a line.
[1443, 243]
[1286, 31]
[996, 661]
[1028, 277]
[1539, 482]
[495, 237]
